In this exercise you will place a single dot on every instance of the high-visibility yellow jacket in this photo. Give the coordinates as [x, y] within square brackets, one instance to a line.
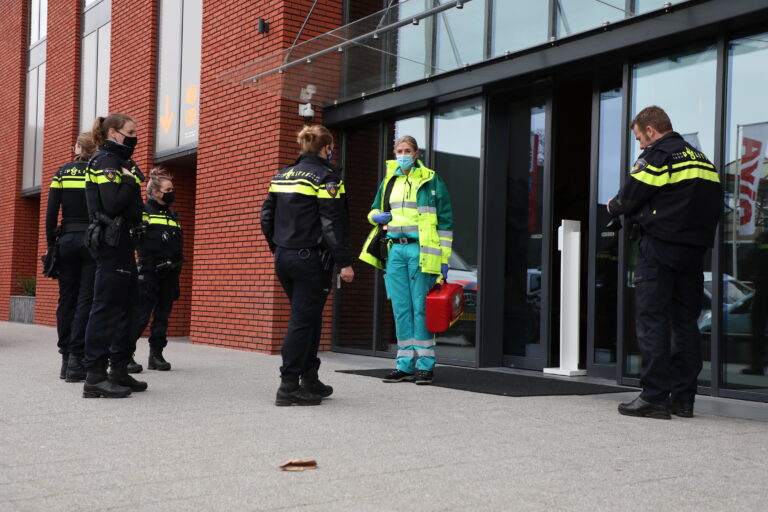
[434, 214]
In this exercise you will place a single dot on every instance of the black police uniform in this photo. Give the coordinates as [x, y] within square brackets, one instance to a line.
[160, 260]
[76, 268]
[114, 206]
[673, 192]
[304, 220]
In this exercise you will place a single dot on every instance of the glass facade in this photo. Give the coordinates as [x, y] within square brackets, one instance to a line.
[574, 16]
[461, 36]
[94, 75]
[179, 74]
[745, 223]
[34, 115]
[38, 21]
[518, 24]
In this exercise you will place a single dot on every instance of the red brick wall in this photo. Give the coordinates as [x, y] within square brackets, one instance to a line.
[62, 100]
[18, 216]
[245, 137]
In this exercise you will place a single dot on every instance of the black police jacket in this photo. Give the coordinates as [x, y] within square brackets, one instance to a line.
[673, 192]
[68, 193]
[162, 240]
[306, 207]
[108, 190]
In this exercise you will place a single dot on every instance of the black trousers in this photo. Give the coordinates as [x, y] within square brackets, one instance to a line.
[115, 301]
[669, 287]
[307, 285]
[157, 294]
[77, 271]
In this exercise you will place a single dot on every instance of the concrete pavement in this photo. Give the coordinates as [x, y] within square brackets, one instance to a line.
[207, 437]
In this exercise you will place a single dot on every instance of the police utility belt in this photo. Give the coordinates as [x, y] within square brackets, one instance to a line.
[104, 231]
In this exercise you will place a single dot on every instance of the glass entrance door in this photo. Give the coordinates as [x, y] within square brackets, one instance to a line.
[524, 341]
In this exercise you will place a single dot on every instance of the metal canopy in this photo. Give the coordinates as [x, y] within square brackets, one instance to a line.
[352, 59]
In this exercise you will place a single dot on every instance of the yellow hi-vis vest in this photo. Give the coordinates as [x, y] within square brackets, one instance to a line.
[433, 213]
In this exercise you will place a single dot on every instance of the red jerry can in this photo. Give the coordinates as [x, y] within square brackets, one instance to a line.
[445, 303]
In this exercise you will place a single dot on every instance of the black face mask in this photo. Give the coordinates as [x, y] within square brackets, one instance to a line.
[169, 197]
[130, 142]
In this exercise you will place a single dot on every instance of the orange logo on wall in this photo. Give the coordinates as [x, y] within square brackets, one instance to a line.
[190, 113]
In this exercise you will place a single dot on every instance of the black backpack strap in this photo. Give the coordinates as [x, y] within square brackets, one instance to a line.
[388, 193]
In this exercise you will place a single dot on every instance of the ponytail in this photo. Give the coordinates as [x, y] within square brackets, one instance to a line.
[102, 125]
[85, 140]
[313, 139]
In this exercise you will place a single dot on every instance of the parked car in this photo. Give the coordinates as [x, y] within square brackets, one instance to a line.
[738, 297]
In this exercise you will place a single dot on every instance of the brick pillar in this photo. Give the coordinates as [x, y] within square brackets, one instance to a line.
[62, 101]
[246, 135]
[18, 216]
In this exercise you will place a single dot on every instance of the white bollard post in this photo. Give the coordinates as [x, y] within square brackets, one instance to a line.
[569, 245]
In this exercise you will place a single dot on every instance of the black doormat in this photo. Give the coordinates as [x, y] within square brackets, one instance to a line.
[500, 383]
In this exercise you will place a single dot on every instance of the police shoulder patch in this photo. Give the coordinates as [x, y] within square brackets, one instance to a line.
[332, 188]
[110, 174]
[640, 164]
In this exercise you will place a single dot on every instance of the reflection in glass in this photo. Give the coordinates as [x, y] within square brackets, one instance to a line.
[607, 241]
[574, 16]
[30, 129]
[461, 36]
[457, 147]
[745, 223]
[522, 301]
[518, 24]
[684, 86]
[412, 43]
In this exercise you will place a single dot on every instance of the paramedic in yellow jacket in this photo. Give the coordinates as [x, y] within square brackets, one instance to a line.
[419, 227]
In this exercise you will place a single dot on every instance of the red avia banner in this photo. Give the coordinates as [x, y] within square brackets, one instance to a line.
[754, 139]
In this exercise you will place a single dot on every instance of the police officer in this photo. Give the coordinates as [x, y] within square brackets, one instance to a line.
[76, 268]
[114, 206]
[673, 193]
[305, 223]
[160, 260]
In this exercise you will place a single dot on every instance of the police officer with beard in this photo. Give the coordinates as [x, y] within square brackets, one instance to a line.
[673, 193]
[160, 260]
[114, 206]
[75, 268]
[305, 222]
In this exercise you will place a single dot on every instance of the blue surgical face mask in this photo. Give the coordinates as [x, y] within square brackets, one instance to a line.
[330, 155]
[405, 161]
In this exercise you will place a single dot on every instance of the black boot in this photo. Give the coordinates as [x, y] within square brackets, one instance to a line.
[157, 361]
[290, 393]
[311, 382]
[63, 371]
[75, 369]
[98, 385]
[120, 375]
[133, 366]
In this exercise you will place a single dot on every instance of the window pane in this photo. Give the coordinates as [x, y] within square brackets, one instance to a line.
[102, 71]
[607, 242]
[457, 148]
[34, 22]
[168, 75]
[39, 123]
[30, 130]
[43, 18]
[745, 224]
[574, 16]
[524, 229]
[190, 70]
[88, 81]
[684, 86]
[519, 24]
[460, 36]
[642, 6]
[412, 43]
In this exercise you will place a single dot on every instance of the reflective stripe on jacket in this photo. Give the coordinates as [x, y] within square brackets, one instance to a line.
[435, 218]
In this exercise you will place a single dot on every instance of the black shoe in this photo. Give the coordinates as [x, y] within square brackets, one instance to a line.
[119, 375]
[291, 393]
[63, 370]
[98, 385]
[398, 376]
[311, 383]
[641, 408]
[684, 410]
[156, 361]
[75, 369]
[133, 366]
[423, 377]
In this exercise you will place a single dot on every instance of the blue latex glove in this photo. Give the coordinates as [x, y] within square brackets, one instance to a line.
[444, 272]
[382, 218]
